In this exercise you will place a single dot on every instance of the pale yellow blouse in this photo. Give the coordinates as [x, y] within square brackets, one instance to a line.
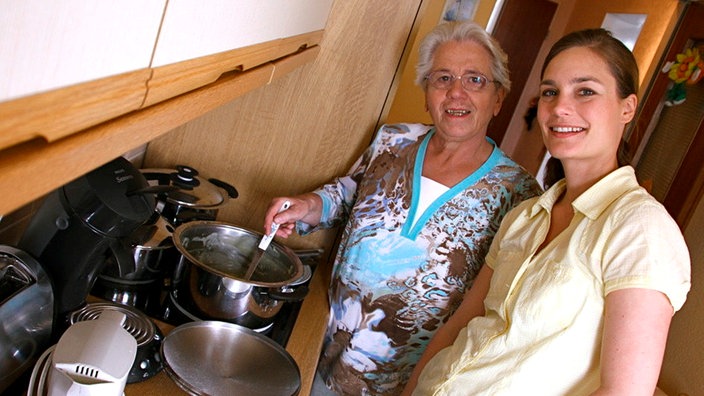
[541, 334]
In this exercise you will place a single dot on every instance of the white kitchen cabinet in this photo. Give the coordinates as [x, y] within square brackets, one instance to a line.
[68, 65]
[79, 83]
[200, 41]
[47, 46]
[194, 28]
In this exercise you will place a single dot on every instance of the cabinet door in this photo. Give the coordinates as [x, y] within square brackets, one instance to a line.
[70, 64]
[193, 28]
[46, 45]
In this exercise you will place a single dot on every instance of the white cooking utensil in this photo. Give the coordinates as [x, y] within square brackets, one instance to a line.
[264, 244]
[93, 357]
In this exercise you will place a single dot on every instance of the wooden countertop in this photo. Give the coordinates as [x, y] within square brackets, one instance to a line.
[304, 344]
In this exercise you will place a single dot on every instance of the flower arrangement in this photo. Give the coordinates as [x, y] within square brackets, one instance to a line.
[685, 69]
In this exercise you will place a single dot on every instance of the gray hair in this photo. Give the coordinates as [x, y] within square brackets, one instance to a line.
[461, 31]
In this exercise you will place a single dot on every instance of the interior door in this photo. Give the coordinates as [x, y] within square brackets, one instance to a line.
[670, 139]
[521, 29]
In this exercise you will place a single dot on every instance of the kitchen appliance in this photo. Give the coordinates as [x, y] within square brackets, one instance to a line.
[78, 224]
[181, 196]
[219, 358]
[92, 358]
[147, 362]
[26, 313]
[217, 256]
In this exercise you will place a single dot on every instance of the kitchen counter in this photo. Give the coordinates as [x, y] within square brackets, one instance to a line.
[304, 344]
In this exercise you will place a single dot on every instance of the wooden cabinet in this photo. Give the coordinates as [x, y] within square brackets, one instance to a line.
[194, 29]
[47, 46]
[70, 65]
[80, 88]
[200, 41]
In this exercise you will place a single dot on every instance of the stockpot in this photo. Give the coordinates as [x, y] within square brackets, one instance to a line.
[218, 255]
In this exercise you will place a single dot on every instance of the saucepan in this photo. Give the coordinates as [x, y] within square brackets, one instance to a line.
[217, 257]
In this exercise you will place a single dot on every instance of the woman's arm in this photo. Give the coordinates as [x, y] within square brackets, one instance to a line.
[472, 305]
[636, 323]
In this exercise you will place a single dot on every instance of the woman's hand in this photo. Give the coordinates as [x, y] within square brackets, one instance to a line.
[305, 207]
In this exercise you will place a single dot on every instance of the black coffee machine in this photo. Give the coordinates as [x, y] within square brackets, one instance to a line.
[81, 223]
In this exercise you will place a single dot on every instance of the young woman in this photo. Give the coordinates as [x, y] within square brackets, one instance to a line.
[579, 284]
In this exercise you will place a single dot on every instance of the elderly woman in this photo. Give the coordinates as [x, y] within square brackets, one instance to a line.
[421, 207]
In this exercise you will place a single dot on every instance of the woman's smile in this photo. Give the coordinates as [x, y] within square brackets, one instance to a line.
[560, 129]
[457, 112]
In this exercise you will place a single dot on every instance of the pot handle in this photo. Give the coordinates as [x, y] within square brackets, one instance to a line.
[288, 294]
[231, 190]
[156, 189]
[123, 258]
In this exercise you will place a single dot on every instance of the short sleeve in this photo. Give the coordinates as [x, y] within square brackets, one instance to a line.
[647, 250]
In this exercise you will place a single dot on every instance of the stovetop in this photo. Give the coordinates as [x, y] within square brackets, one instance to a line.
[176, 312]
[286, 318]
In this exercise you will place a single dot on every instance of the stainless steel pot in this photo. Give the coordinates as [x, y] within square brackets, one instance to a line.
[218, 255]
[190, 197]
[152, 250]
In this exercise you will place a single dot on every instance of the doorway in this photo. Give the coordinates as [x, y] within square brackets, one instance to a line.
[521, 29]
[670, 137]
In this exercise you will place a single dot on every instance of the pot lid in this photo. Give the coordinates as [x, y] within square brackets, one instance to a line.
[238, 361]
[227, 250]
[192, 191]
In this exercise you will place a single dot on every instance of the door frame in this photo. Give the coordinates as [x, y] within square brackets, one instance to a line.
[687, 187]
[530, 20]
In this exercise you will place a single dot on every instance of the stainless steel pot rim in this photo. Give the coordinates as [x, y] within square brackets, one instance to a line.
[178, 237]
[215, 358]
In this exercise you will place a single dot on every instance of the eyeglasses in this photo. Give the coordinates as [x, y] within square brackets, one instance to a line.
[470, 81]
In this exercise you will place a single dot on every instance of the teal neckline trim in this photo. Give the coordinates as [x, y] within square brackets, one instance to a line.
[410, 230]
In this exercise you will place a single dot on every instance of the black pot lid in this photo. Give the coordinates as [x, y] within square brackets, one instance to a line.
[192, 191]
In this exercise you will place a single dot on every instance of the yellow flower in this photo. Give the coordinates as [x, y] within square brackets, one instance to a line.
[685, 65]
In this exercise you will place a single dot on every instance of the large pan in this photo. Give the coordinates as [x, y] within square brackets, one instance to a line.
[217, 256]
